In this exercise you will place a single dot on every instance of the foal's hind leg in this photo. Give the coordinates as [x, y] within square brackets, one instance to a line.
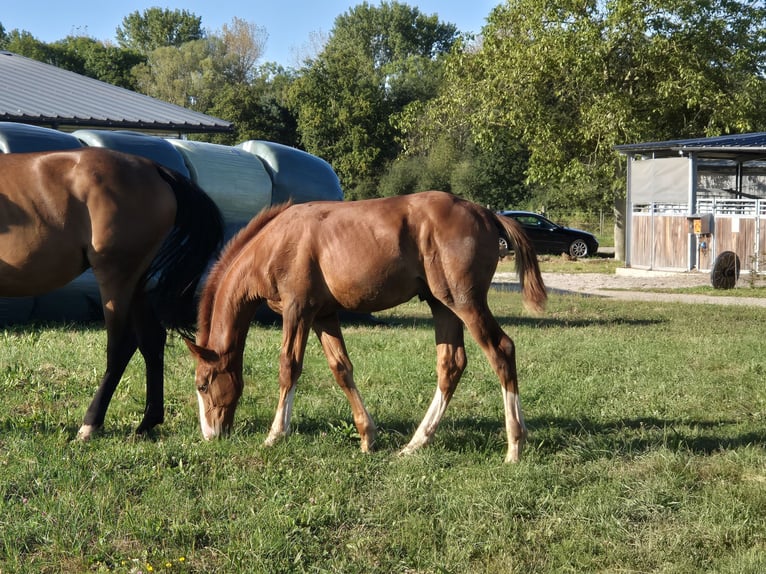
[501, 352]
[329, 333]
[450, 364]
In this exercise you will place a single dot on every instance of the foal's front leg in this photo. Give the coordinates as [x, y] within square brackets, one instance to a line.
[294, 336]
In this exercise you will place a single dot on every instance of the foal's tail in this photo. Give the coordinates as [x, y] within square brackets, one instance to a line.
[530, 278]
[194, 240]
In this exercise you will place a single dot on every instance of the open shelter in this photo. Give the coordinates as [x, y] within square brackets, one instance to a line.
[690, 200]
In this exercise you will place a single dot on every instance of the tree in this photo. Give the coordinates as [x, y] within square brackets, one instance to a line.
[244, 43]
[572, 79]
[258, 109]
[94, 59]
[80, 54]
[218, 75]
[157, 28]
[25, 44]
[376, 61]
[188, 75]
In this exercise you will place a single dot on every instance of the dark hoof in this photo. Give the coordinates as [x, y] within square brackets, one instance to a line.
[147, 425]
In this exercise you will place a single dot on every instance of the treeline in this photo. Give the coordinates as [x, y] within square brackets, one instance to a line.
[526, 114]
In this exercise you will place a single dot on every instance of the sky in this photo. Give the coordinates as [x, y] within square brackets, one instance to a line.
[292, 25]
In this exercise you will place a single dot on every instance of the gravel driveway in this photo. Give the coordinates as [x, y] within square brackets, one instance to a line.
[633, 285]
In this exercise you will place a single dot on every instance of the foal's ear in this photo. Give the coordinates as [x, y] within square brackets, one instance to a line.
[207, 355]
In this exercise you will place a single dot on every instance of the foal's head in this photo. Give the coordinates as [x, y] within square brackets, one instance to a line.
[219, 387]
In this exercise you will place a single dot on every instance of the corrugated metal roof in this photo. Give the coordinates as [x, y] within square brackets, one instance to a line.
[37, 93]
[736, 146]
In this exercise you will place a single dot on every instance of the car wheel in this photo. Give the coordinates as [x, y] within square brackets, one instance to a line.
[578, 248]
[503, 251]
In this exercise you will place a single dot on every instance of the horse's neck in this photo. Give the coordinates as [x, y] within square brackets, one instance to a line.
[233, 311]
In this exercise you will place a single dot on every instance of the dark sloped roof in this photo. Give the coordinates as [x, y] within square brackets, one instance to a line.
[740, 147]
[37, 93]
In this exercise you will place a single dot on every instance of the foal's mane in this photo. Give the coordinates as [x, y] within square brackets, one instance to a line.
[229, 253]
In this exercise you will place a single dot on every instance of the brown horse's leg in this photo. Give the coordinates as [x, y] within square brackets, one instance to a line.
[119, 350]
[117, 291]
[450, 364]
[329, 333]
[294, 337]
[151, 337]
[501, 352]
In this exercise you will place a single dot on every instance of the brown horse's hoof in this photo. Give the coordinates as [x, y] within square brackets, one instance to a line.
[147, 425]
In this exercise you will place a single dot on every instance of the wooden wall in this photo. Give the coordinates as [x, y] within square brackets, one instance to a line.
[661, 241]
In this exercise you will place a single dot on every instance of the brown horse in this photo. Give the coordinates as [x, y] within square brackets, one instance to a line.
[310, 261]
[147, 232]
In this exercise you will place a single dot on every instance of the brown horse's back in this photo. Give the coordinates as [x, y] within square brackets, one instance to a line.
[62, 212]
[379, 253]
[130, 220]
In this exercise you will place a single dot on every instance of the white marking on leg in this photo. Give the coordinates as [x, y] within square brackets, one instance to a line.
[208, 432]
[428, 425]
[515, 428]
[86, 432]
[281, 425]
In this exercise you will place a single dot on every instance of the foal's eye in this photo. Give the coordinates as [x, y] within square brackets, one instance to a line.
[203, 387]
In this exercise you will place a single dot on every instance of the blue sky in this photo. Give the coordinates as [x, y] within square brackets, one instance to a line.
[290, 24]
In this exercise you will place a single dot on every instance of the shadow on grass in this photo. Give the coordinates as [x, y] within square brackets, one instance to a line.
[629, 436]
[34, 426]
[548, 436]
[589, 439]
[519, 321]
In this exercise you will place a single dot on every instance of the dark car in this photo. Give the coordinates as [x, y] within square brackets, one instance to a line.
[548, 237]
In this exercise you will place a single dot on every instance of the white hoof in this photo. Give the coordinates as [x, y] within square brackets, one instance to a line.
[410, 449]
[86, 432]
[514, 452]
[274, 438]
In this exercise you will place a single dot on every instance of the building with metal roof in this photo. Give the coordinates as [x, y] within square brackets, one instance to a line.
[40, 94]
[690, 200]
[741, 147]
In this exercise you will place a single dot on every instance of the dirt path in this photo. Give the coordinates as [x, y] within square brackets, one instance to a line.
[633, 285]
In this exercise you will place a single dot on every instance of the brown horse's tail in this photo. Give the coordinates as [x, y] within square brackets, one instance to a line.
[184, 257]
[528, 269]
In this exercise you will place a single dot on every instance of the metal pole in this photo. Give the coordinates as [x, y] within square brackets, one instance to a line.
[692, 238]
[628, 212]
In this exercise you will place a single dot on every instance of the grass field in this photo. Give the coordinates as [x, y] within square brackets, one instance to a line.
[647, 454]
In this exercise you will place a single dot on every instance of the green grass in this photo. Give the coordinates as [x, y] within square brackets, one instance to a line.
[740, 291]
[747, 286]
[646, 454]
[554, 264]
[559, 264]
